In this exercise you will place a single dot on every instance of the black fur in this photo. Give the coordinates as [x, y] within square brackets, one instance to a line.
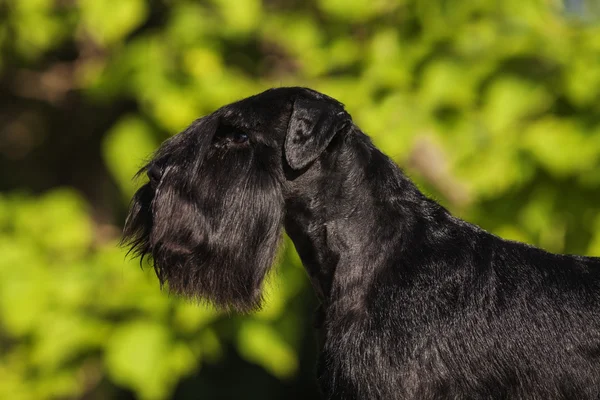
[416, 304]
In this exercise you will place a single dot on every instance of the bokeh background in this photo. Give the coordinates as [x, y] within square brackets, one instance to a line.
[492, 107]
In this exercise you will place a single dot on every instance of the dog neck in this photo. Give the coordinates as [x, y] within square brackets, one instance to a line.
[335, 238]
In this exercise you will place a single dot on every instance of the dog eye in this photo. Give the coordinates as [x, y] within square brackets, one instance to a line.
[239, 137]
[230, 136]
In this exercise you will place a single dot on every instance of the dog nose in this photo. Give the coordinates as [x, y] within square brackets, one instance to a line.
[155, 173]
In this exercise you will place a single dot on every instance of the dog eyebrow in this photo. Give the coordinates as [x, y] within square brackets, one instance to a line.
[238, 124]
[226, 128]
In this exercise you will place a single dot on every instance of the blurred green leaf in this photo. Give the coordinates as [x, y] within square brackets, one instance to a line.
[109, 21]
[131, 135]
[562, 147]
[143, 356]
[260, 343]
[356, 11]
[509, 100]
[242, 18]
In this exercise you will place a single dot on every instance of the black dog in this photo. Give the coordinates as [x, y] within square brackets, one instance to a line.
[416, 303]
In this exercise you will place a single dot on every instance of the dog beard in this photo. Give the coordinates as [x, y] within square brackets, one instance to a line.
[210, 227]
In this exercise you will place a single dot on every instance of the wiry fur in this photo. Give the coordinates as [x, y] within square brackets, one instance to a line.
[416, 304]
[209, 244]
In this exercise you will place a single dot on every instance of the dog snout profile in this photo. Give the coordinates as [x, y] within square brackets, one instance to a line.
[415, 303]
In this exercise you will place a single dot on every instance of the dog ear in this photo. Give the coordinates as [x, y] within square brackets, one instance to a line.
[312, 126]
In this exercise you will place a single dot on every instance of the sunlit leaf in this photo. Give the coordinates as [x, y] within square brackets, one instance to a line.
[261, 344]
[142, 355]
[127, 145]
[109, 21]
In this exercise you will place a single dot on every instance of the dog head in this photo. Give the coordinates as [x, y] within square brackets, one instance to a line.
[210, 217]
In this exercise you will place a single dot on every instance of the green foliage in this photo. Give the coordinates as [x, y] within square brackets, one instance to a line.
[492, 107]
[126, 146]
